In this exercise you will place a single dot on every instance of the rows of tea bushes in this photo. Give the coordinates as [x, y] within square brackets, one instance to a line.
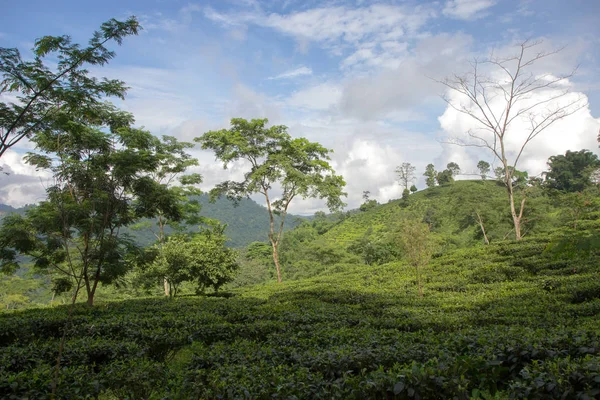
[504, 321]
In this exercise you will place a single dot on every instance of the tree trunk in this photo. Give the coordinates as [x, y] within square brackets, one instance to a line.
[513, 210]
[167, 287]
[482, 227]
[276, 259]
[90, 299]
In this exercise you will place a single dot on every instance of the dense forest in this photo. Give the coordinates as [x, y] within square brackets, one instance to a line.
[129, 282]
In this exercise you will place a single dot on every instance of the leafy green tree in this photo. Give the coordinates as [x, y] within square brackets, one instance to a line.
[406, 174]
[201, 258]
[518, 178]
[368, 203]
[444, 177]
[484, 169]
[101, 184]
[174, 161]
[453, 168]
[43, 90]
[300, 167]
[405, 198]
[413, 189]
[572, 172]
[417, 245]
[430, 174]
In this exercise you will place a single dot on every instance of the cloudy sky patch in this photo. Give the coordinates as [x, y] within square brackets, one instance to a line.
[357, 76]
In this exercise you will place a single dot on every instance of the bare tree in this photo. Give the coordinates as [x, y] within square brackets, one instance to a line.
[500, 91]
[406, 174]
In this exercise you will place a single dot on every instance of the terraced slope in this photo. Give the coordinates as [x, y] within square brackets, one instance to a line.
[508, 320]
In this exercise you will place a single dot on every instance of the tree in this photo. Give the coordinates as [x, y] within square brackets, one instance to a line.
[572, 172]
[416, 247]
[484, 169]
[368, 203]
[174, 161]
[453, 168]
[101, 184]
[405, 198]
[413, 189]
[201, 258]
[43, 91]
[500, 91]
[447, 176]
[300, 167]
[406, 174]
[430, 174]
[444, 177]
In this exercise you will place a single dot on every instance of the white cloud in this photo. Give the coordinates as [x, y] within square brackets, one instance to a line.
[408, 85]
[467, 9]
[20, 183]
[575, 132]
[300, 71]
[337, 27]
[319, 97]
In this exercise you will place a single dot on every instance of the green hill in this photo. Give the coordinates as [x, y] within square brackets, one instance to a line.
[246, 223]
[451, 212]
[504, 320]
[372, 236]
[510, 320]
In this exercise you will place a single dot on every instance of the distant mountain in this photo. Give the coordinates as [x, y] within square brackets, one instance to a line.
[246, 223]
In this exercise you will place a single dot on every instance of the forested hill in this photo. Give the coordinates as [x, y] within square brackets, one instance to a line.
[246, 223]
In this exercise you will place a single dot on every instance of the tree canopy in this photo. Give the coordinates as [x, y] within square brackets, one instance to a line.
[297, 166]
[573, 171]
[43, 91]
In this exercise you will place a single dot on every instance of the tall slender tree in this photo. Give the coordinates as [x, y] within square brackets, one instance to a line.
[406, 174]
[430, 175]
[173, 163]
[298, 166]
[500, 91]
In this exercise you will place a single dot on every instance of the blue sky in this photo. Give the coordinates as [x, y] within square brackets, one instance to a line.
[357, 76]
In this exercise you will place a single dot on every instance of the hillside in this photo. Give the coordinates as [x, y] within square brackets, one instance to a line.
[449, 209]
[246, 223]
[511, 320]
[372, 236]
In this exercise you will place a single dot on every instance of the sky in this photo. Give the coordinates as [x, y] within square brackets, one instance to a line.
[360, 77]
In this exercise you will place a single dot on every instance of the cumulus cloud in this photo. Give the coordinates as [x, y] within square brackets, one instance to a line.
[411, 83]
[20, 183]
[323, 96]
[575, 132]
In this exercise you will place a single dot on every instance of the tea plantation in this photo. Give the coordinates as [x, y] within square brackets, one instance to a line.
[509, 320]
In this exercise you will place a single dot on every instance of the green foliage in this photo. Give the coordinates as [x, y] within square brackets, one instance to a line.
[201, 258]
[430, 175]
[300, 167]
[101, 184]
[367, 205]
[573, 171]
[447, 176]
[504, 320]
[484, 169]
[45, 91]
